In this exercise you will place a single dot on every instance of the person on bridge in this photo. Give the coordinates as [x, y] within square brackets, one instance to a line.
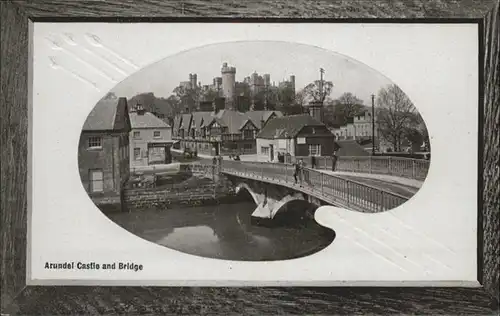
[334, 160]
[296, 172]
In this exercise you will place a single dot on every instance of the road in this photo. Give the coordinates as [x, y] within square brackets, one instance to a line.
[397, 188]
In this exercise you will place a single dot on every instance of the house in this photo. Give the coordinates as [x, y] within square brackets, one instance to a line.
[296, 135]
[103, 151]
[150, 139]
[358, 127]
[221, 131]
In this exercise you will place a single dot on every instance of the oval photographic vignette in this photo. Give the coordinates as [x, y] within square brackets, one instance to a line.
[225, 151]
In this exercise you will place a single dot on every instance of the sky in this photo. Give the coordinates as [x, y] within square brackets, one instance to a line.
[279, 59]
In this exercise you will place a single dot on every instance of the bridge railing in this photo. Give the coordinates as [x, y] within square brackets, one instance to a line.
[332, 188]
[396, 166]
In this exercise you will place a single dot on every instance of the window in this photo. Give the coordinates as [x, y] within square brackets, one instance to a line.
[282, 143]
[248, 134]
[247, 146]
[137, 134]
[156, 134]
[264, 150]
[137, 153]
[95, 142]
[96, 180]
[315, 150]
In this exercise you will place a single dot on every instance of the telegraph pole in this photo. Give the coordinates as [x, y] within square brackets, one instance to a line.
[321, 72]
[373, 125]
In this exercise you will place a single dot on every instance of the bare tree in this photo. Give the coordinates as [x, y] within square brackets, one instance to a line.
[347, 105]
[395, 115]
[300, 98]
[317, 91]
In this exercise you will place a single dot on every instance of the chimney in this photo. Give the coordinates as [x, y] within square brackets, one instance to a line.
[316, 110]
[139, 109]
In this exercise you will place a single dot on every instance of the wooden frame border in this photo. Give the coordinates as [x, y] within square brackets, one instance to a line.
[16, 297]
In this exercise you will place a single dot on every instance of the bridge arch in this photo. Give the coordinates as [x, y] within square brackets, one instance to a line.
[258, 198]
[279, 205]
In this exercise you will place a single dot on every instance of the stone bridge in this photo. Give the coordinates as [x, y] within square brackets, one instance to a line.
[271, 198]
[272, 186]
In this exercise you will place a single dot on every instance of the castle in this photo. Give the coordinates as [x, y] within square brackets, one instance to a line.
[255, 92]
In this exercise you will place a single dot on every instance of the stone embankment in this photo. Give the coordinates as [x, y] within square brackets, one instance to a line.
[197, 190]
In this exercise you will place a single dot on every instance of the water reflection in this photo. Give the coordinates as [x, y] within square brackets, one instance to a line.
[226, 231]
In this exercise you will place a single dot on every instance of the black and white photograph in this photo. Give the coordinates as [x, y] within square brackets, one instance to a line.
[254, 154]
[249, 158]
[231, 160]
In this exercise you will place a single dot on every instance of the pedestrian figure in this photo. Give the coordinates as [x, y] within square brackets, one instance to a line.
[303, 175]
[334, 160]
[313, 162]
[296, 171]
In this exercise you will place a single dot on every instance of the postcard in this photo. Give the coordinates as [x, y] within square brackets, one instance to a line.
[254, 153]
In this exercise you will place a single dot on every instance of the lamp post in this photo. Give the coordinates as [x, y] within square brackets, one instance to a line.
[373, 125]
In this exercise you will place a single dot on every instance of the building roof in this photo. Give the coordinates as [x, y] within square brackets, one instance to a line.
[202, 118]
[287, 126]
[108, 115]
[233, 120]
[146, 120]
[186, 121]
[258, 116]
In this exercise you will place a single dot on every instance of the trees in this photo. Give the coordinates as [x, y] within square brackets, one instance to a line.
[330, 117]
[396, 116]
[347, 105]
[317, 91]
[167, 106]
[296, 104]
[188, 96]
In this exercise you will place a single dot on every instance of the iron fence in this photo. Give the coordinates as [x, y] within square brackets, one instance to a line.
[396, 166]
[331, 188]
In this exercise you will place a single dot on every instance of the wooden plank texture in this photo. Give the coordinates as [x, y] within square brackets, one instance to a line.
[262, 8]
[257, 301]
[491, 157]
[13, 149]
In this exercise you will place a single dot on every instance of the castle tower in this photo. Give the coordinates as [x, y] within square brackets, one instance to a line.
[193, 79]
[228, 84]
[267, 80]
[292, 82]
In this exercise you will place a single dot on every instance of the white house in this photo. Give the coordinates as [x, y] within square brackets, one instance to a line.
[150, 139]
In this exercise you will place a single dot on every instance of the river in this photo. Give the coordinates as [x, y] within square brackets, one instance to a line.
[226, 231]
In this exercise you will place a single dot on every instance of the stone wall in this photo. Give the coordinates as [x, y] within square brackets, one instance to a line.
[201, 191]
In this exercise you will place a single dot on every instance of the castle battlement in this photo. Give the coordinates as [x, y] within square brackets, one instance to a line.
[228, 69]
